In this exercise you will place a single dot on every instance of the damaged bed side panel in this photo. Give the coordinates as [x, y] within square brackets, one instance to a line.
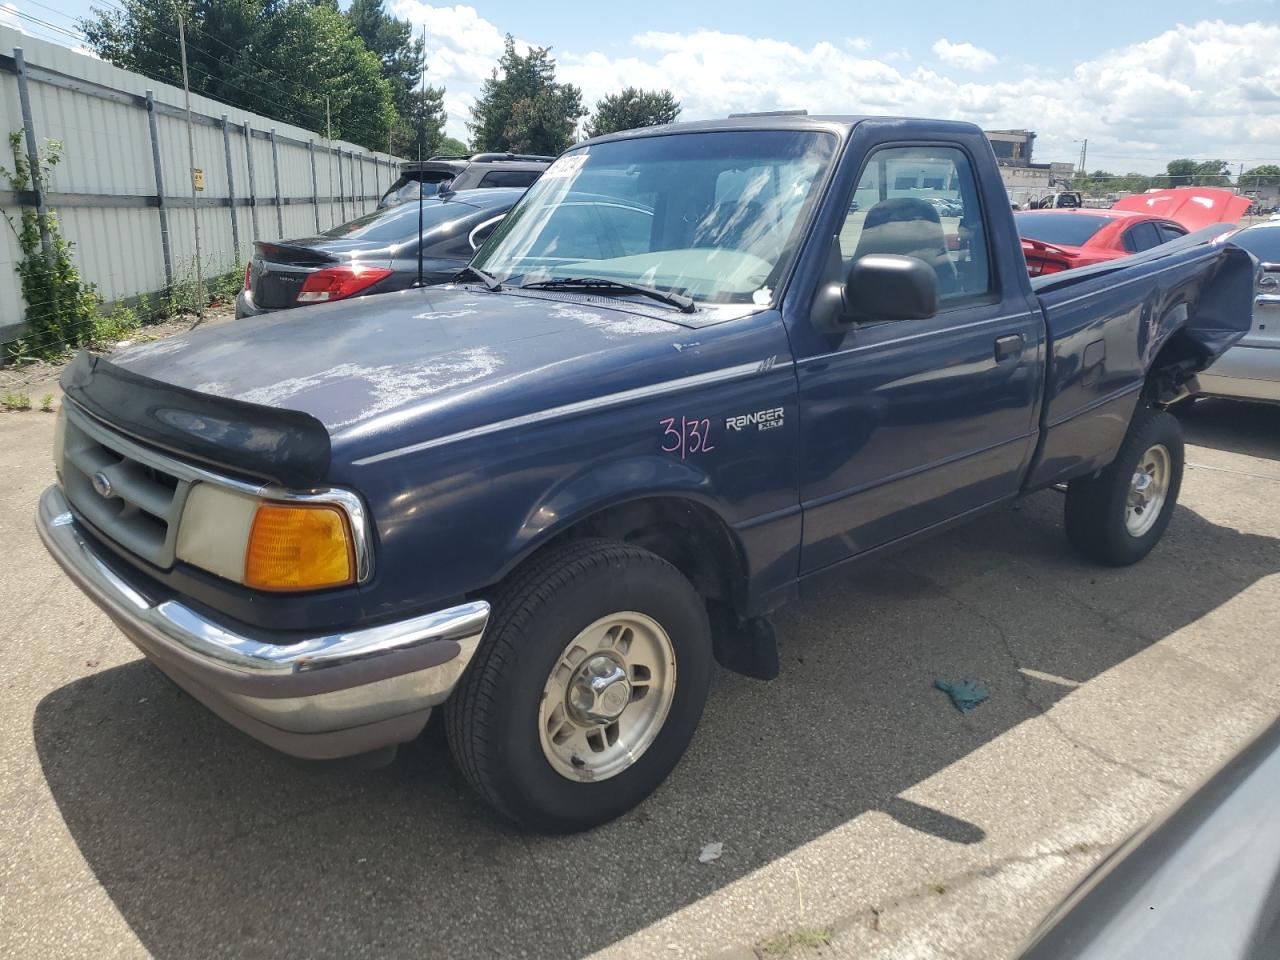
[1108, 327]
[287, 446]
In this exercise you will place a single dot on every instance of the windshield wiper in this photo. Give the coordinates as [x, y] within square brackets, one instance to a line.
[490, 282]
[669, 297]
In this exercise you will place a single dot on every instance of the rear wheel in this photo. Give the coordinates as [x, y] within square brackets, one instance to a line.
[1118, 516]
[586, 689]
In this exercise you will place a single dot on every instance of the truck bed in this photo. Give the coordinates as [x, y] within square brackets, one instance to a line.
[1183, 303]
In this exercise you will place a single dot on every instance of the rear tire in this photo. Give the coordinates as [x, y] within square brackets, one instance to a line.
[1119, 515]
[587, 686]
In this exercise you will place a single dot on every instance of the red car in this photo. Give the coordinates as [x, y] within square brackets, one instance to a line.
[1056, 240]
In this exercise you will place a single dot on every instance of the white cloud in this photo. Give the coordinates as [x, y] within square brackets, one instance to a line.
[462, 50]
[1206, 89]
[963, 55]
[9, 17]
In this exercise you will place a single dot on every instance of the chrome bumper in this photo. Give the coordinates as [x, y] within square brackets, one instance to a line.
[320, 696]
[1248, 371]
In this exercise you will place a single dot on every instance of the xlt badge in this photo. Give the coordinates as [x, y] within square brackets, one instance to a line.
[761, 420]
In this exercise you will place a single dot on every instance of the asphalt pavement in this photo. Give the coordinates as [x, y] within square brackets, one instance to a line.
[861, 815]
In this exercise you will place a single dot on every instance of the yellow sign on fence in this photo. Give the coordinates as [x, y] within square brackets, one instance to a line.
[197, 178]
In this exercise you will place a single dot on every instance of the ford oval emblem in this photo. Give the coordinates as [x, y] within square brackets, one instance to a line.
[101, 484]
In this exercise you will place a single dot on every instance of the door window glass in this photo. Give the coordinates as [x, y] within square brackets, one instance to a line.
[922, 202]
[1141, 237]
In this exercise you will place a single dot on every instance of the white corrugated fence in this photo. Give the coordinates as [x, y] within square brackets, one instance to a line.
[263, 180]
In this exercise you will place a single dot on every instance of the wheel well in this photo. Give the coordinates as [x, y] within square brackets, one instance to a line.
[1177, 362]
[689, 536]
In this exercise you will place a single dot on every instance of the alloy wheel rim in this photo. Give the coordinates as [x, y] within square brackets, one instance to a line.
[607, 697]
[1148, 490]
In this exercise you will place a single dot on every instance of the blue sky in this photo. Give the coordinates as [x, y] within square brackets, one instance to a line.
[1158, 81]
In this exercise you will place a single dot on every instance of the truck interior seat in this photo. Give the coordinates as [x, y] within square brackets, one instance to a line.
[909, 227]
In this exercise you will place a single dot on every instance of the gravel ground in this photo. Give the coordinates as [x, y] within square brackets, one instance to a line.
[861, 814]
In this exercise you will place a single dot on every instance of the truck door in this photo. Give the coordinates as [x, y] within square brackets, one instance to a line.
[906, 424]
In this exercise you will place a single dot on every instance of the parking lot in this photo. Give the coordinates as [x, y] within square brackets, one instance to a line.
[860, 814]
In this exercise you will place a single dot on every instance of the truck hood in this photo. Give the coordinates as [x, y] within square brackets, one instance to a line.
[363, 368]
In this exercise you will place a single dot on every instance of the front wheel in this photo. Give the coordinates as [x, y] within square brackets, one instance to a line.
[586, 689]
[1118, 516]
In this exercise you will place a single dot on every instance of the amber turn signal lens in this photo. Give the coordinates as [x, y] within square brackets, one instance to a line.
[298, 547]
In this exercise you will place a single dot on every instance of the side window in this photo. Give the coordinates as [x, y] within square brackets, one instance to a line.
[632, 227]
[481, 233]
[1170, 231]
[509, 178]
[1141, 237]
[572, 232]
[921, 202]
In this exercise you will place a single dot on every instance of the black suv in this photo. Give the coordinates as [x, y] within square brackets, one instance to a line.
[464, 173]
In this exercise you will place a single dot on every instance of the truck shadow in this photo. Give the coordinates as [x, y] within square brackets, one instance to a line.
[210, 845]
[1234, 426]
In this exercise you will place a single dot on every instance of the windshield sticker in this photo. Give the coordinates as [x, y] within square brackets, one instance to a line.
[566, 166]
[688, 438]
[762, 297]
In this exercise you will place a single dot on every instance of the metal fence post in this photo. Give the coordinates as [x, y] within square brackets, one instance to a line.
[275, 166]
[315, 195]
[253, 191]
[33, 150]
[364, 197]
[164, 212]
[231, 189]
[342, 196]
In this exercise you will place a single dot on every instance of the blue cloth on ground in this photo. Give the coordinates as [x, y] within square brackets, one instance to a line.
[965, 694]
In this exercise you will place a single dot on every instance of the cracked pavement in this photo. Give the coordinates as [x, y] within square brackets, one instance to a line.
[855, 804]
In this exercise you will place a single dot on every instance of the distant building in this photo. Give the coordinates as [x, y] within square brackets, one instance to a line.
[1024, 180]
[1012, 145]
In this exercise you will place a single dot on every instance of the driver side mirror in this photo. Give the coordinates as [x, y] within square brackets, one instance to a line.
[886, 286]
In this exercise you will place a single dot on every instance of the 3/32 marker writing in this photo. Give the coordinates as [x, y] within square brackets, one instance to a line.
[686, 436]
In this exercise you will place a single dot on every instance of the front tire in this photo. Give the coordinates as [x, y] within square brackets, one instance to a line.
[586, 689]
[1119, 515]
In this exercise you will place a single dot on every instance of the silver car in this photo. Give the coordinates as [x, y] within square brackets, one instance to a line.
[1251, 369]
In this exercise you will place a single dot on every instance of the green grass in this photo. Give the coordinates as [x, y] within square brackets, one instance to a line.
[804, 939]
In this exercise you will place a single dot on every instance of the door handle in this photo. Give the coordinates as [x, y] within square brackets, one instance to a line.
[1010, 346]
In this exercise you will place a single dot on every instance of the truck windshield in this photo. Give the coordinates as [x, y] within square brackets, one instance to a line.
[715, 216]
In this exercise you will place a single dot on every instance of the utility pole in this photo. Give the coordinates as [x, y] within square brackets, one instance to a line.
[191, 150]
[1084, 151]
[328, 136]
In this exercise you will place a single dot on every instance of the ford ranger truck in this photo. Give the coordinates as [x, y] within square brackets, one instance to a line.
[696, 368]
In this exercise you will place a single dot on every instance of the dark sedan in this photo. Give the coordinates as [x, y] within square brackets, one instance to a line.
[376, 253]
[1200, 883]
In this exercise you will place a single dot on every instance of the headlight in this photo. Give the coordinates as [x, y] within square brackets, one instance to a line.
[267, 544]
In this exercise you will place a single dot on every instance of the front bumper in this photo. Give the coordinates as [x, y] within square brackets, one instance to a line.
[318, 697]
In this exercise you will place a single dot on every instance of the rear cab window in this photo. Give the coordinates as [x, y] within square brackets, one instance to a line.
[509, 178]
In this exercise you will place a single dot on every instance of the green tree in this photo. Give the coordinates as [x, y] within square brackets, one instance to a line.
[633, 108]
[452, 147]
[280, 58]
[420, 114]
[1193, 173]
[1267, 175]
[522, 109]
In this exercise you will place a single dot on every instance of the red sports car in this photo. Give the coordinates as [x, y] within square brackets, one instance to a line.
[1056, 240]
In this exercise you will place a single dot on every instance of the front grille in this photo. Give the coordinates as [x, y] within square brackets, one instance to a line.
[113, 484]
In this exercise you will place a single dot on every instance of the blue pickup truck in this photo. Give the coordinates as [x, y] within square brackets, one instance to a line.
[547, 497]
